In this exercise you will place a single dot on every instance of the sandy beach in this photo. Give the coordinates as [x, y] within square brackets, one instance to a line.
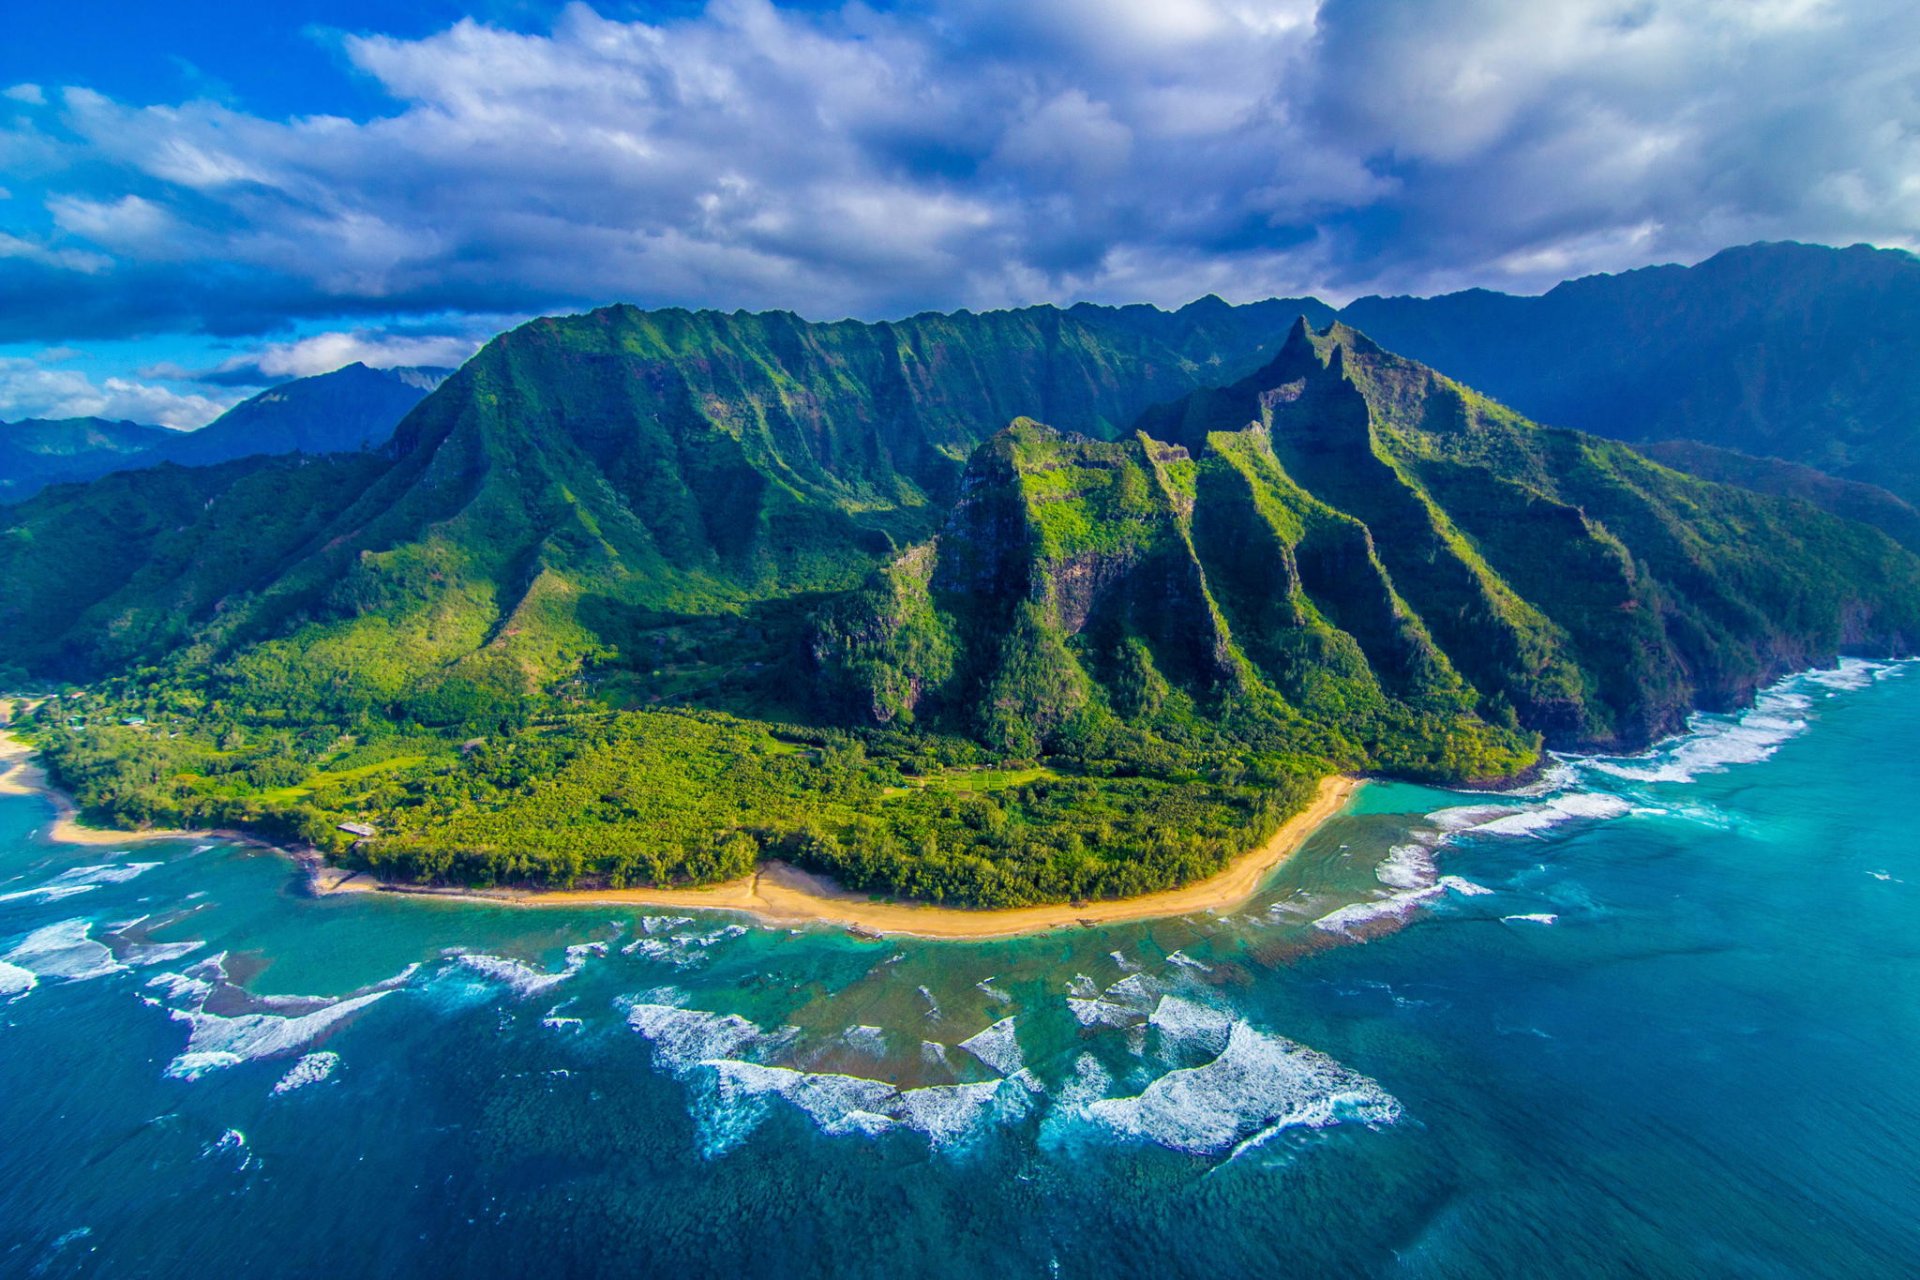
[782, 894]
[777, 893]
[20, 776]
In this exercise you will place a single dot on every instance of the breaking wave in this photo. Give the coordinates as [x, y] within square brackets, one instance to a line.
[217, 1041]
[311, 1069]
[1258, 1086]
[66, 950]
[78, 880]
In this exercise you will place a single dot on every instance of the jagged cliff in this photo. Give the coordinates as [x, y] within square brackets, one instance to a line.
[1355, 548]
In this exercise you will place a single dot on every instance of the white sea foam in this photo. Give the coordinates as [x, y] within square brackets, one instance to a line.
[1851, 675]
[997, 1047]
[1534, 917]
[1465, 888]
[681, 950]
[523, 978]
[311, 1069]
[1715, 743]
[215, 1042]
[64, 950]
[78, 880]
[684, 1037]
[1395, 906]
[993, 992]
[15, 981]
[1135, 991]
[1123, 1004]
[871, 1041]
[1186, 961]
[1185, 1022]
[141, 955]
[1101, 1013]
[845, 1105]
[1258, 1085]
[1407, 866]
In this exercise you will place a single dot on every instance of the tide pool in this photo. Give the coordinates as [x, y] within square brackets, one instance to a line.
[1657, 1017]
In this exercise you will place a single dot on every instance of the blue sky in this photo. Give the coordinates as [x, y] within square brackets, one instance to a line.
[202, 199]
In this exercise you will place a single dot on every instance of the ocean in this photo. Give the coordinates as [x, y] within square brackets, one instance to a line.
[1659, 1017]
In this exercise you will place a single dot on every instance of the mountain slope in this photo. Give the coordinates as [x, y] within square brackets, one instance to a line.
[352, 408]
[583, 476]
[1349, 540]
[1849, 499]
[1783, 350]
[36, 452]
[349, 409]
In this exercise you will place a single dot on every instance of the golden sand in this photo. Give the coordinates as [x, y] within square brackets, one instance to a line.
[20, 776]
[781, 894]
[778, 893]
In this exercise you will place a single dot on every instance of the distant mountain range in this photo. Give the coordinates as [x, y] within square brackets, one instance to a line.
[36, 452]
[1790, 351]
[349, 409]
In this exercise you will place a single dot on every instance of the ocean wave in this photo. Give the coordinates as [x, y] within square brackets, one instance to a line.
[716, 1054]
[1534, 917]
[1182, 1022]
[66, 950]
[681, 950]
[522, 978]
[843, 1105]
[15, 981]
[1716, 743]
[997, 1047]
[1529, 820]
[311, 1069]
[683, 1038]
[216, 1042]
[78, 880]
[1258, 1085]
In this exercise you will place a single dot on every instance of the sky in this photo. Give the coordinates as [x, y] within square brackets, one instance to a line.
[199, 200]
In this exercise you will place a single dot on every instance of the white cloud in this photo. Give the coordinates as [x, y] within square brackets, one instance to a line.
[325, 352]
[31, 94]
[30, 389]
[974, 152]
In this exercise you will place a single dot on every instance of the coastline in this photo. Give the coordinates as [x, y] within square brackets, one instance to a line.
[780, 894]
[777, 894]
[20, 776]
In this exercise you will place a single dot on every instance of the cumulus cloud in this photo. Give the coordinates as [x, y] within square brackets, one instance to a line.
[34, 388]
[325, 352]
[977, 152]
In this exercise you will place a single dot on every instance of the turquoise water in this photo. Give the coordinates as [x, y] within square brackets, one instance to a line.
[1659, 1018]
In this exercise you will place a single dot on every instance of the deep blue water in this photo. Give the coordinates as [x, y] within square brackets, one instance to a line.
[1662, 1018]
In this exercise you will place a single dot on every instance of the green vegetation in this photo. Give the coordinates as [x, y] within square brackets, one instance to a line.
[645, 598]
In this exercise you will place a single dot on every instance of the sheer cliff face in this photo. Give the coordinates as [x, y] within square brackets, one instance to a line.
[1349, 539]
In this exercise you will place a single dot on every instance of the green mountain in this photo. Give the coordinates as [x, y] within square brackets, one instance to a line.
[639, 597]
[1349, 540]
[1850, 499]
[1790, 351]
[585, 478]
[36, 452]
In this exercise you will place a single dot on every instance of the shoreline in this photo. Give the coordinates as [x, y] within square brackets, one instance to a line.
[776, 894]
[780, 894]
[20, 776]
